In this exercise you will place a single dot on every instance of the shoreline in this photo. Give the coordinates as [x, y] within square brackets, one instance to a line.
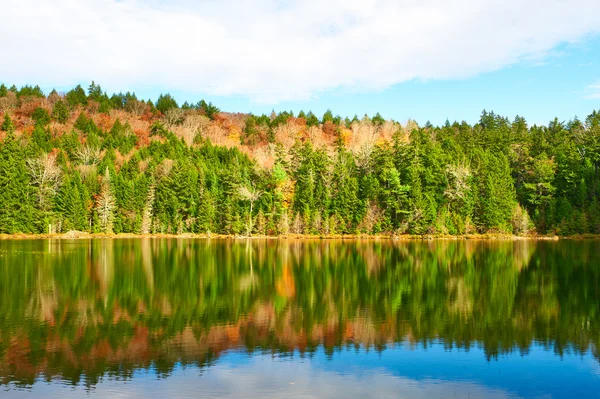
[382, 237]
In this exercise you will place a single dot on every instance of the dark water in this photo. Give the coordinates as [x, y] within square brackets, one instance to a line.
[198, 318]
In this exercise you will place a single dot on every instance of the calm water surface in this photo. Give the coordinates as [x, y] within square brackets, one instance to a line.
[200, 318]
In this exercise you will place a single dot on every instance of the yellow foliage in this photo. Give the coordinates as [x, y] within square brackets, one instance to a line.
[345, 135]
[235, 134]
[287, 189]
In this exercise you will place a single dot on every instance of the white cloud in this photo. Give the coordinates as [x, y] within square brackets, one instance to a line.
[273, 50]
[266, 378]
[592, 92]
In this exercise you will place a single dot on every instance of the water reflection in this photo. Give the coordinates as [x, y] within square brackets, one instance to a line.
[83, 310]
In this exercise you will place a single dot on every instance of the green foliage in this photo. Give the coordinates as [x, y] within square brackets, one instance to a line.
[495, 176]
[76, 97]
[345, 203]
[378, 120]
[82, 122]
[17, 211]
[73, 203]
[40, 116]
[60, 112]
[120, 100]
[497, 199]
[311, 119]
[113, 306]
[95, 92]
[327, 116]
[41, 138]
[208, 109]
[30, 91]
[165, 102]
[7, 123]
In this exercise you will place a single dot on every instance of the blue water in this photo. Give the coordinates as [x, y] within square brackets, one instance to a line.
[299, 319]
[398, 371]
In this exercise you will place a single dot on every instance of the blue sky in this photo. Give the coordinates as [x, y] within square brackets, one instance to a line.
[537, 90]
[396, 372]
[425, 60]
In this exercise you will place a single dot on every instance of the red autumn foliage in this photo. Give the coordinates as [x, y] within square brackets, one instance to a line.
[104, 122]
[329, 129]
[143, 137]
[28, 105]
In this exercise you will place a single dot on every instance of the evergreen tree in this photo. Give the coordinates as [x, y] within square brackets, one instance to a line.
[40, 116]
[344, 190]
[76, 97]
[496, 197]
[208, 109]
[73, 203]
[165, 102]
[17, 212]
[7, 124]
[60, 112]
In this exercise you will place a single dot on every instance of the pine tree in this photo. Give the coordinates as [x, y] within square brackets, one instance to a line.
[344, 190]
[17, 212]
[165, 102]
[72, 205]
[497, 197]
[40, 116]
[7, 124]
[76, 97]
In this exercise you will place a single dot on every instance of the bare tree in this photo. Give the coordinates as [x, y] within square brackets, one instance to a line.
[410, 125]
[265, 156]
[521, 221]
[388, 130]
[88, 155]
[163, 169]
[106, 204]
[298, 224]
[53, 98]
[364, 137]
[136, 107]
[8, 102]
[46, 176]
[88, 158]
[372, 215]
[251, 195]
[192, 125]
[196, 122]
[287, 134]
[283, 227]
[147, 215]
[173, 117]
[458, 183]
[316, 137]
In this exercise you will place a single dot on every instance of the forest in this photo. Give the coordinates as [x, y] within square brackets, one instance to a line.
[88, 161]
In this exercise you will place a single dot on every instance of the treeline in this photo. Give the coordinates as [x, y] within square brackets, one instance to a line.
[84, 160]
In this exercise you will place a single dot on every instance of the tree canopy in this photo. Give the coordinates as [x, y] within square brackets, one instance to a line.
[122, 164]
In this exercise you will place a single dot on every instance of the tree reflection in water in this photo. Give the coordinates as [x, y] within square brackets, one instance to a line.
[86, 308]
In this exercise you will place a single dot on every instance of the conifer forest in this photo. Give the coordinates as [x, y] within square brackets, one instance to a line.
[88, 161]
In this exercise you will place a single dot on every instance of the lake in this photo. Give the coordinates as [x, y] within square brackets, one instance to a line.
[299, 318]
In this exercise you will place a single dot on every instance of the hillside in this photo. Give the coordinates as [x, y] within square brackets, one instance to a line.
[85, 160]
